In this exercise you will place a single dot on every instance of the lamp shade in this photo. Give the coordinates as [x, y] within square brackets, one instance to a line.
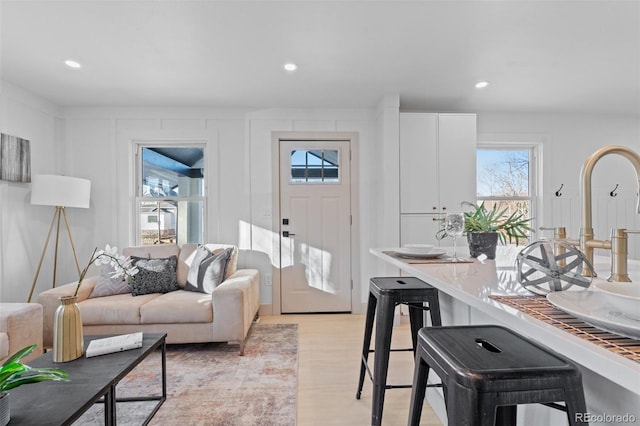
[66, 191]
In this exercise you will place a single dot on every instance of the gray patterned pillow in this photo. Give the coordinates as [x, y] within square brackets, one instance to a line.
[108, 286]
[154, 275]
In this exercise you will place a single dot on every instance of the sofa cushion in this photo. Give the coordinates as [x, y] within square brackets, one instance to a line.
[177, 307]
[211, 272]
[154, 275]
[107, 285]
[117, 309]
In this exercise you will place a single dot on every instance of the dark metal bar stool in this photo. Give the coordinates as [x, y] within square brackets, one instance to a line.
[487, 370]
[384, 295]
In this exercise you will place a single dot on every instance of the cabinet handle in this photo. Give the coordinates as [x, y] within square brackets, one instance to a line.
[434, 208]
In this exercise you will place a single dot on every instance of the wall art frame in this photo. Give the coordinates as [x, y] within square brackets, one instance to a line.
[15, 158]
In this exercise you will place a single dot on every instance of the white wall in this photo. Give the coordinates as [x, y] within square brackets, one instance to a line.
[96, 143]
[23, 227]
[568, 140]
[100, 142]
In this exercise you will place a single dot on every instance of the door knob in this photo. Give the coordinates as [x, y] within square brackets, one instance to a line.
[287, 234]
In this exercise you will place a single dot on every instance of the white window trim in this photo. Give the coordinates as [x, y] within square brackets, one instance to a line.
[137, 184]
[522, 142]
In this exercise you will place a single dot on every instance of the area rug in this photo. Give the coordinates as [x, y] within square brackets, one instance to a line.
[210, 384]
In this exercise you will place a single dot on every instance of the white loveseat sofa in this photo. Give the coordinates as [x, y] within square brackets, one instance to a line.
[225, 315]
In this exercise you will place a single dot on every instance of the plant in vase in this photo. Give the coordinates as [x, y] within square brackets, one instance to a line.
[122, 266]
[13, 374]
[484, 228]
[68, 341]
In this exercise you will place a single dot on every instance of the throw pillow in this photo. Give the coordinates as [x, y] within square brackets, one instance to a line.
[211, 272]
[154, 275]
[108, 286]
[199, 255]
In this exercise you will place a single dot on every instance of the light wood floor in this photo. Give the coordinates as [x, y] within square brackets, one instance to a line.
[329, 356]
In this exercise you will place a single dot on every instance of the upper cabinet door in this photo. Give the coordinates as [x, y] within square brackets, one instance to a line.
[418, 163]
[456, 160]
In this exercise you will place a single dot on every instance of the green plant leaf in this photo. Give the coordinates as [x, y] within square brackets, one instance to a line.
[13, 373]
[512, 227]
[20, 354]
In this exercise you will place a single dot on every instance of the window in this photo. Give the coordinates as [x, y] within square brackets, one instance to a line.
[170, 195]
[315, 166]
[506, 177]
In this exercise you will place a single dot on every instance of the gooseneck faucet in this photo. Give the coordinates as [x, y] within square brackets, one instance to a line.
[618, 243]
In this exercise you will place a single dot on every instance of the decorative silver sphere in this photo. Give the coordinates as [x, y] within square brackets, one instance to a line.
[552, 265]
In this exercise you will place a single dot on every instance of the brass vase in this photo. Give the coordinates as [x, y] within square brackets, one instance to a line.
[68, 342]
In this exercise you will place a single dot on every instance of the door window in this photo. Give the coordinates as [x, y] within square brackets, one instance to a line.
[315, 166]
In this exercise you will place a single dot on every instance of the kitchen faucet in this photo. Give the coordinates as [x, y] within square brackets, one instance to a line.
[618, 241]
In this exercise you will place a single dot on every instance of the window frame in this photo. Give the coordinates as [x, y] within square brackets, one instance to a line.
[138, 186]
[535, 171]
[316, 181]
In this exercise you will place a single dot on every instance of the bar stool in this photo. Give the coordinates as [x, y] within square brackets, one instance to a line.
[487, 370]
[384, 294]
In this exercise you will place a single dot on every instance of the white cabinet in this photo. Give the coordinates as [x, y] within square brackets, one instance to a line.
[437, 161]
[437, 170]
[418, 163]
[420, 229]
[457, 138]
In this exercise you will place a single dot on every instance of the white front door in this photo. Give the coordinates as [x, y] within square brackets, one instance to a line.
[315, 226]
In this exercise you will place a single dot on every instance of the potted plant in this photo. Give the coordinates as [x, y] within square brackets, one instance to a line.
[13, 374]
[484, 228]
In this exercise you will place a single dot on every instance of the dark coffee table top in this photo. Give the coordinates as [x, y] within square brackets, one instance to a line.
[61, 403]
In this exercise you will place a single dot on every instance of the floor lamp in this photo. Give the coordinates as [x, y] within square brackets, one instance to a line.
[60, 192]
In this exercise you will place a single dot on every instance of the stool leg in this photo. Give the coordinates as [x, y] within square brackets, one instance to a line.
[506, 415]
[418, 389]
[434, 311]
[465, 406]
[384, 327]
[416, 321]
[574, 400]
[366, 346]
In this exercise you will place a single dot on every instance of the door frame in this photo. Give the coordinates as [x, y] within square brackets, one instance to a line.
[352, 138]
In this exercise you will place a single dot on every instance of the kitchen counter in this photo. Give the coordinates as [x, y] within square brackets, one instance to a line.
[611, 381]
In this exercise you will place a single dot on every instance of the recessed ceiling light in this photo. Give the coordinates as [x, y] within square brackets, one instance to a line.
[482, 84]
[72, 64]
[290, 66]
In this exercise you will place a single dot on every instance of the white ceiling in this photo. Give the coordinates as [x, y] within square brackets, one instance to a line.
[547, 56]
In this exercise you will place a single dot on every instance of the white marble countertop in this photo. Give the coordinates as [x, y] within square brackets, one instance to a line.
[473, 283]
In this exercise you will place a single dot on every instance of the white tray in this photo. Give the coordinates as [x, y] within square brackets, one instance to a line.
[593, 308]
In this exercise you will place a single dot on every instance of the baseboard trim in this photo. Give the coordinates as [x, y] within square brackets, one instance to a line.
[265, 310]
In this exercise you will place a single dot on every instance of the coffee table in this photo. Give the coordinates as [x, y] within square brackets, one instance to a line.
[92, 380]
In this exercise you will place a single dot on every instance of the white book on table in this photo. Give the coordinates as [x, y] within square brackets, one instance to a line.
[113, 344]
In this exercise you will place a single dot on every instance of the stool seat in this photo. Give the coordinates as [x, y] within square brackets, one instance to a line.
[487, 370]
[384, 294]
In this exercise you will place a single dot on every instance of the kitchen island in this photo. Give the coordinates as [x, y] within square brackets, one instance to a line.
[611, 381]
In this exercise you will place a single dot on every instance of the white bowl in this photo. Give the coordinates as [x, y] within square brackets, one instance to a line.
[624, 296]
[417, 248]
